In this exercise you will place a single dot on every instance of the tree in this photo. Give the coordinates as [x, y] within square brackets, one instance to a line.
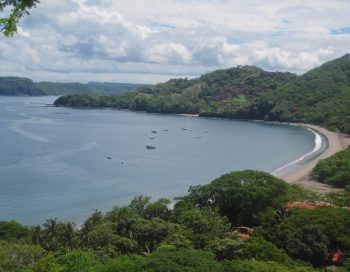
[51, 233]
[79, 261]
[240, 196]
[18, 9]
[68, 235]
[171, 260]
[17, 257]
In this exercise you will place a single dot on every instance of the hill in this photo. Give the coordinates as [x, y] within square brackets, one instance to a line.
[24, 86]
[320, 96]
[19, 86]
[216, 92]
[91, 88]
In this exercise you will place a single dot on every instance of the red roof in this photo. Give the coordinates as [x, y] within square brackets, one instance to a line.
[337, 256]
[301, 205]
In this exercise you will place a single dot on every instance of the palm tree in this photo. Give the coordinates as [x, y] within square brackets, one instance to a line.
[68, 235]
[36, 236]
[51, 231]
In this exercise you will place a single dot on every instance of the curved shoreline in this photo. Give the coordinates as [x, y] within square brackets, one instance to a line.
[321, 145]
[298, 172]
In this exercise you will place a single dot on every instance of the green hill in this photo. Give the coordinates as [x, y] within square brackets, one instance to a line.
[320, 96]
[216, 92]
[18, 86]
[25, 86]
[91, 88]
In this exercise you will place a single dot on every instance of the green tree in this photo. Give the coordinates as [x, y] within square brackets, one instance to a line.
[51, 234]
[240, 196]
[125, 263]
[48, 263]
[69, 235]
[13, 231]
[334, 170]
[18, 257]
[259, 266]
[79, 261]
[18, 9]
[172, 260]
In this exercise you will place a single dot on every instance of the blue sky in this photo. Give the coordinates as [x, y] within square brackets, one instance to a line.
[152, 41]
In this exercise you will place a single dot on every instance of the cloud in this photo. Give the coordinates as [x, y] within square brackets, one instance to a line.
[83, 40]
[168, 53]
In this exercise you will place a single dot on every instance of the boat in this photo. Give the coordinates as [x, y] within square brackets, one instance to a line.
[152, 138]
[154, 131]
[150, 147]
[108, 157]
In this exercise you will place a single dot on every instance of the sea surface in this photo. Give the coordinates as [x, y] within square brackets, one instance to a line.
[64, 163]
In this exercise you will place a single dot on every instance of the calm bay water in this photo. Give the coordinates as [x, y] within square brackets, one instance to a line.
[53, 161]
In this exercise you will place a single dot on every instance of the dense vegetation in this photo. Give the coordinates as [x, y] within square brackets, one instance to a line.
[198, 234]
[25, 86]
[320, 96]
[18, 86]
[334, 170]
[217, 92]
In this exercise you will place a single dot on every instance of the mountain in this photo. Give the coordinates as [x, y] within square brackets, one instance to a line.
[214, 92]
[91, 88]
[24, 86]
[320, 96]
[19, 86]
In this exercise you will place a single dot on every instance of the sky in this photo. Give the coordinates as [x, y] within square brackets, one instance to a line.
[150, 41]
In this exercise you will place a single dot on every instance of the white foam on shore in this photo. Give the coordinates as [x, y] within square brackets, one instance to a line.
[317, 147]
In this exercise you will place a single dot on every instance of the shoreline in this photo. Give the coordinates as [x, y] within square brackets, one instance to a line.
[299, 171]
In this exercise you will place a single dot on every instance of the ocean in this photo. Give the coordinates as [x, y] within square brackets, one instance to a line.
[65, 163]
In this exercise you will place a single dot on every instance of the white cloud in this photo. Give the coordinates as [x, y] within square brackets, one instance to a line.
[127, 40]
[168, 53]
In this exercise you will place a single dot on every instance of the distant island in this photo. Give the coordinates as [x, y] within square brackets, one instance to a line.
[20, 86]
[320, 96]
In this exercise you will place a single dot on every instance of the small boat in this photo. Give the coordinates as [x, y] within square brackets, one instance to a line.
[197, 137]
[108, 158]
[166, 130]
[152, 138]
[150, 147]
[154, 131]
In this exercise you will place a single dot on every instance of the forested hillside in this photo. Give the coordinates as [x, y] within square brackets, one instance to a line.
[320, 96]
[25, 86]
[19, 86]
[91, 88]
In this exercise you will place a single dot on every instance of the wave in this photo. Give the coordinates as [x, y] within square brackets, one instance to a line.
[318, 148]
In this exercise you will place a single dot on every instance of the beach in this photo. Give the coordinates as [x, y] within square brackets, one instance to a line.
[300, 172]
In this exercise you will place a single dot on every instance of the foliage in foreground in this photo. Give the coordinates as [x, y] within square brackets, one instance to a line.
[199, 234]
[18, 10]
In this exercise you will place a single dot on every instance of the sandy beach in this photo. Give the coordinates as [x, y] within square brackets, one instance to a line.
[300, 174]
